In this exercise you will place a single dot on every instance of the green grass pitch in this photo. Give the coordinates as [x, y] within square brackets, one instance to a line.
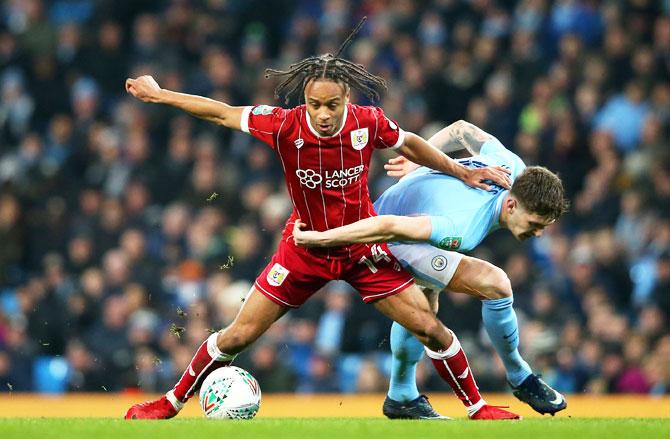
[563, 428]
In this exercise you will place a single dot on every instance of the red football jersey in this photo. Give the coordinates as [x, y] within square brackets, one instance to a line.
[327, 177]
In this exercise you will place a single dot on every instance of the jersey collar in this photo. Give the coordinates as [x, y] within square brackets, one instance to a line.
[344, 121]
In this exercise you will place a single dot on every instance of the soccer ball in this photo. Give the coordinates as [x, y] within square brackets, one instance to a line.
[230, 393]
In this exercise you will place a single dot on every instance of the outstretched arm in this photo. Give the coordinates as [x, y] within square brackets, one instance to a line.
[383, 228]
[146, 89]
[417, 150]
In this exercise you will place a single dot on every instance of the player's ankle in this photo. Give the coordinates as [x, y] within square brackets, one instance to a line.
[474, 408]
[178, 405]
[515, 378]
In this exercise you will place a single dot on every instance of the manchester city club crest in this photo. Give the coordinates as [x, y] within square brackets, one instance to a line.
[439, 263]
[359, 138]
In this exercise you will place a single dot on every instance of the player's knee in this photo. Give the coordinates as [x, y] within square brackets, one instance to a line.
[496, 285]
[235, 338]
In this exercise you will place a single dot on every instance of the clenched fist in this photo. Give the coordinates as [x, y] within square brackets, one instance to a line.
[145, 88]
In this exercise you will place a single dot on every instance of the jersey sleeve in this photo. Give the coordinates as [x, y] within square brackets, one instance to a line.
[388, 135]
[492, 146]
[444, 234]
[262, 121]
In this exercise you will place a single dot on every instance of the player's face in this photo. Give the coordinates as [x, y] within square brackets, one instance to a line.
[326, 101]
[524, 224]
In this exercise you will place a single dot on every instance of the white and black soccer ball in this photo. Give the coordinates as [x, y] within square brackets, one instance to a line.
[230, 393]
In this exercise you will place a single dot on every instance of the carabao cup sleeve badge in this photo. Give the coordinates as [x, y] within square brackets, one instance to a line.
[451, 243]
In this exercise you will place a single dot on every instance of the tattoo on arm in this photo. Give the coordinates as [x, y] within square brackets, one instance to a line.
[460, 135]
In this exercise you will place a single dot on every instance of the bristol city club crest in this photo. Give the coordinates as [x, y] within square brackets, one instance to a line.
[277, 275]
[359, 138]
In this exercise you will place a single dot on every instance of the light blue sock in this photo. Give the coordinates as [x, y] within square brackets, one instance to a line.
[501, 325]
[407, 351]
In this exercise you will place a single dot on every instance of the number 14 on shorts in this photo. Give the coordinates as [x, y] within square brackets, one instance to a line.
[378, 254]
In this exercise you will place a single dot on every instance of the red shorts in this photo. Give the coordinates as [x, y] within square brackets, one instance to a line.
[295, 273]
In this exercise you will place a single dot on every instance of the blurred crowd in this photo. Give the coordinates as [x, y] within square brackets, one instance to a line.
[129, 232]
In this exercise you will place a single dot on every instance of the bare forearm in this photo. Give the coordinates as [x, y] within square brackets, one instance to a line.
[208, 109]
[383, 228]
[460, 135]
[417, 150]
[364, 231]
[421, 152]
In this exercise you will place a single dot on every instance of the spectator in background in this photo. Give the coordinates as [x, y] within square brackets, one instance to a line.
[17, 353]
[331, 322]
[270, 370]
[624, 116]
[111, 63]
[16, 107]
[661, 293]
[12, 237]
[108, 339]
[320, 377]
[85, 374]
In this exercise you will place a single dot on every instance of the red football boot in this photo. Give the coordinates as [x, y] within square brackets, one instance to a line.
[158, 409]
[492, 413]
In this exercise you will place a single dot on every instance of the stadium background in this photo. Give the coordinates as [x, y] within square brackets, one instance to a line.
[127, 231]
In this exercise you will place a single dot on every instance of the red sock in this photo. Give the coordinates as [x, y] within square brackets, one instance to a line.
[207, 359]
[453, 367]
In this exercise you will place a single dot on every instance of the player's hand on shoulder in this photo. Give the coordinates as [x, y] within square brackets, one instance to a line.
[399, 166]
[481, 178]
[144, 88]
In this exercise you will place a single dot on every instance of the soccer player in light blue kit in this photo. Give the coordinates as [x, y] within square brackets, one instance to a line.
[448, 217]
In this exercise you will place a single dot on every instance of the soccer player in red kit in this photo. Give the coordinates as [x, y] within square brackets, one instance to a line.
[324, 147]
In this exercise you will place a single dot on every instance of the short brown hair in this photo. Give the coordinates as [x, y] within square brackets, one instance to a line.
[541, 192]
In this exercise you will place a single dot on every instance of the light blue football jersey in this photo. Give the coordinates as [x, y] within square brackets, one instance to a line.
[461, 216]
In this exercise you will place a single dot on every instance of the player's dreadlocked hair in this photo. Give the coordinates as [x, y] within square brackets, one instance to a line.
[330, 67]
